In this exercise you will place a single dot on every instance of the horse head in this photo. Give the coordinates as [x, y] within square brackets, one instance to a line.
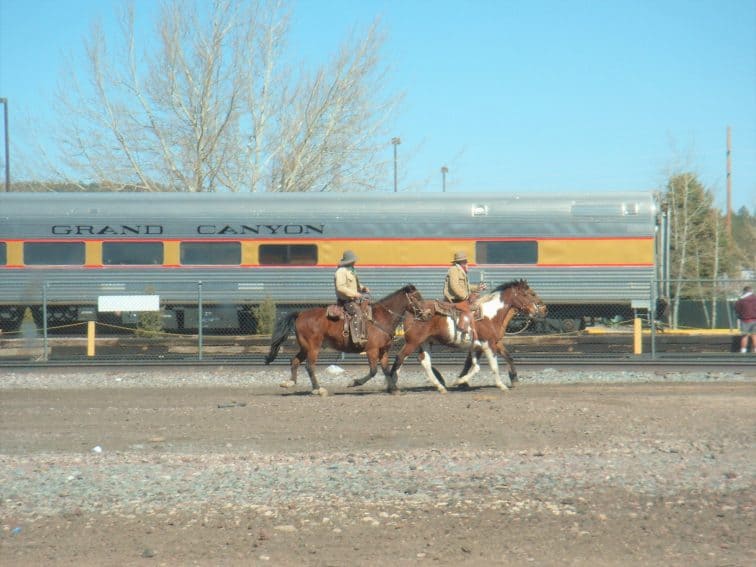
[415, 302]
[405, 299]
[521, 297]
[526, 300]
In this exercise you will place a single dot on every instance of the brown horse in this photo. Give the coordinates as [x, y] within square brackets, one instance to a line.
[314, 330]
[497, 310]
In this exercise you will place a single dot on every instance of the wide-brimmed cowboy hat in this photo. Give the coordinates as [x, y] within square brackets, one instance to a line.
[348, 258]
[459, 257]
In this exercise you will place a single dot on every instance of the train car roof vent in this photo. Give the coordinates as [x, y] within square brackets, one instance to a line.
[479, 210]
[597, 210]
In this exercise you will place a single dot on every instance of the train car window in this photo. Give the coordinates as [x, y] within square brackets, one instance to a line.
[54, 253]
[132, 253]
[513, 252]
[227, 253]
[289, 254]
[3, 254]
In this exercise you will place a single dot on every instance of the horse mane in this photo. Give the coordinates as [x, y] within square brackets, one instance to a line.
[514, 283]
[408, 288]
[502, 287]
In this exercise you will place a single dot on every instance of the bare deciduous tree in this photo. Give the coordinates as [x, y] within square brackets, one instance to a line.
[697, 243]
[217, 108]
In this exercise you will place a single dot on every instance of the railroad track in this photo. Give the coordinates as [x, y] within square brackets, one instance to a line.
[711, 351]
[713, 362]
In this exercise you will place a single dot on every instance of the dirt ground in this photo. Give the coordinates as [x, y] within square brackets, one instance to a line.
[581, 474]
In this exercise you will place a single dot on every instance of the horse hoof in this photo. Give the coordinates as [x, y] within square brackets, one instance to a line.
[322, 392]
[394, 391]
[463, 386]
[443, 390]
[288, 384]
[504, 387]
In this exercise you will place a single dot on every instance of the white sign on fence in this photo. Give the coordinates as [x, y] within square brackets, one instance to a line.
[128, 303]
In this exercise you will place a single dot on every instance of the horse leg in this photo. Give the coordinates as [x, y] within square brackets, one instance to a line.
[310, 351]
[502, 350]
[510, 362]
[312, 360]
[494, 364]
[364, 380]
[393, 378]
[384, 360]
[373, 362]
[295, 362]
[472, 369]
[465, 369]
[425, 362]
[511, 366]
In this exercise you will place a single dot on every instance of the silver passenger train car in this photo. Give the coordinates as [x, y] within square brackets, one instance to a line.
[586, 255]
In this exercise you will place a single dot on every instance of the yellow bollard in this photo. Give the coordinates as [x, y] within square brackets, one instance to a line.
[637, 336]
[90, 338]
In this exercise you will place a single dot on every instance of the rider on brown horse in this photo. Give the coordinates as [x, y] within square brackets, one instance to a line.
[349, 296]
[457, 290]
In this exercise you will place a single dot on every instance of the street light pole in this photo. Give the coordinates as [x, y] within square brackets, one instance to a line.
[395, 142]
[444, 171]
[4, 102]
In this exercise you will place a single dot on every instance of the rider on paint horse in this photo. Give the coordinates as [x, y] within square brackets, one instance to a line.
[457, 290]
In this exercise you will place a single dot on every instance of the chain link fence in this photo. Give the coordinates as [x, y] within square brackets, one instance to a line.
[184, 321]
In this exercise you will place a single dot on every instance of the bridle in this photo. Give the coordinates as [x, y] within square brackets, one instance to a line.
[536, 304]
[417, 311]
[396, 317]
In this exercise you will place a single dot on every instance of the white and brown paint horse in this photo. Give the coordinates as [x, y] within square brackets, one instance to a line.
[497, 310]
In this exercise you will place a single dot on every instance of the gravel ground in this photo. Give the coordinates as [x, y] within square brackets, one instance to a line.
[176, 466]
[332, 377]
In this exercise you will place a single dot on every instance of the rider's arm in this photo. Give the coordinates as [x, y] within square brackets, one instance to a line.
[362, 288]
[478, 287]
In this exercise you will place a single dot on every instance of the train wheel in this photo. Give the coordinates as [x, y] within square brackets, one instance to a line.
[10, 318]
[568, 326]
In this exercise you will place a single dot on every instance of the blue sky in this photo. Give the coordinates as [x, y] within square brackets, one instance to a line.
[511, 96]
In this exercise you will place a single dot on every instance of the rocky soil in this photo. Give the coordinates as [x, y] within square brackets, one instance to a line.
[175, 466]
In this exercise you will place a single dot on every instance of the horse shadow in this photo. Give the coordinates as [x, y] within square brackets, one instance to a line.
[422, 389]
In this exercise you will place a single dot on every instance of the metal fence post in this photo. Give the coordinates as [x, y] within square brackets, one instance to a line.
[200, 310]
[652, 310]
[44, 321]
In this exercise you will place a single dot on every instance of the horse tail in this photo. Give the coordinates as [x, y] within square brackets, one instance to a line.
[284, 327]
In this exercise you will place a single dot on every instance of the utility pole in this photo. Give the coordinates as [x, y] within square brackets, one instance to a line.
[729, 183]
[444, 171]
[4, 102]
[395, 142]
